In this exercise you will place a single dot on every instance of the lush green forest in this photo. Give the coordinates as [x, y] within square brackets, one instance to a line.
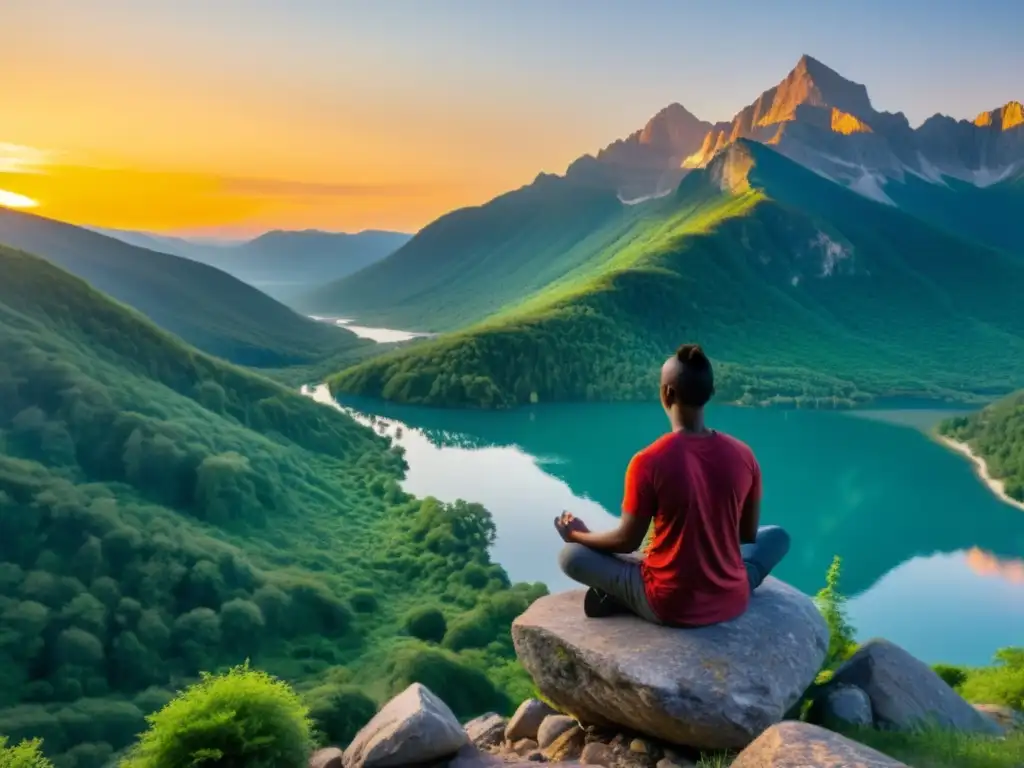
[802, 291]
[163, 512]
[987, 214]
[208, 308]
[996, 433]
[470, 262]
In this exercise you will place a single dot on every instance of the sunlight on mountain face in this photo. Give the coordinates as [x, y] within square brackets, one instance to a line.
[14, 200]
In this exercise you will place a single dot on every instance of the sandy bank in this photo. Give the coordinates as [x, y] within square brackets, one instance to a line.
[981, 468]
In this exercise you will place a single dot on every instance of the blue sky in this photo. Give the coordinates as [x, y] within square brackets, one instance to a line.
[461, 99]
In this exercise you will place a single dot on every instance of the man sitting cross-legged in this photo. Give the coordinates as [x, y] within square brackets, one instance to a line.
[701, 489]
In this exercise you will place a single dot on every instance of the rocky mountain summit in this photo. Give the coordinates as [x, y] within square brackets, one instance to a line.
[827, 123]
[623, 693]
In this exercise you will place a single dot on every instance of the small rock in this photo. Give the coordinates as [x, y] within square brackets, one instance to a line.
[524, 747]
[714, 687]
[906, 693]
[536, 757]
[793, 744]
[1005, 717]
[639, 746]
[414, 727]
[487, 730]
[596, 753]
[666, 763]
[331, 757]
[568, 746]
[552, 727]
[843, 706]
[526, 721]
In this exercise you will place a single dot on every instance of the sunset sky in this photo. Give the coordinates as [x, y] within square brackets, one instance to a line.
[237, 116]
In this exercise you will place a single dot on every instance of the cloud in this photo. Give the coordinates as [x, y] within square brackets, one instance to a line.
[286, 188]
[18, 158]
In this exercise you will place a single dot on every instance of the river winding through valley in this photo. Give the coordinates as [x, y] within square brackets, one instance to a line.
[932, 560]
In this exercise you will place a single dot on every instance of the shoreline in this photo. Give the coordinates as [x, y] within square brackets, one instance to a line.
[995, 485]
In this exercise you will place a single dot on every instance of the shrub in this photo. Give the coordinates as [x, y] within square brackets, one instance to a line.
[338, 712]
[242, 717]
[26, 754]
[426, 624]
[953, 676]
[465, 689]
[1002, 683]
[363, 601]
[832, 604]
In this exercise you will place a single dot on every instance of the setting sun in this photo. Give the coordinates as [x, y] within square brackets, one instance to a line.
[14, 200]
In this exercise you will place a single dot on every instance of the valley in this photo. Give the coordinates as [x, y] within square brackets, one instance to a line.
[338, 456]
[163, 513]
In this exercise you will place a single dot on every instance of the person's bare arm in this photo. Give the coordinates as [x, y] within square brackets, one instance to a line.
[750, 519]
[638, 507]
[625, 538]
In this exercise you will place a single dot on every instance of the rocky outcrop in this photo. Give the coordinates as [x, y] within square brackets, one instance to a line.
[331, 757]
[801, 745]
[527, 719]
[714, 687]
[487, 730]
[414, 727]
[906, 693]
[1005, 717]
[553, 727]
[843, 706]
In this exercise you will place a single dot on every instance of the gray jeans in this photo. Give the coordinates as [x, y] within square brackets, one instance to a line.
[619, 575]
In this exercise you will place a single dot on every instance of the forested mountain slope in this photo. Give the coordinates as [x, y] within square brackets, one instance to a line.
[282, 263]
[205, 306]
[469, 263]
[996, 434]
[162, 513]
[803, 290]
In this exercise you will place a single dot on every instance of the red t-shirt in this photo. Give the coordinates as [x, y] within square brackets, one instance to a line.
[694, 487]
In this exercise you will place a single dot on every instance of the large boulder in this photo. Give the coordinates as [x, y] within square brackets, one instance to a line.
[713, 687]
[800, 745]
[906, 693]
[414, 727]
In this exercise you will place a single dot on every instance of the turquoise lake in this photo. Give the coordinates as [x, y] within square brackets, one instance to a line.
[931, 559]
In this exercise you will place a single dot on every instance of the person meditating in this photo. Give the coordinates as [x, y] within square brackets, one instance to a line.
[702, 490]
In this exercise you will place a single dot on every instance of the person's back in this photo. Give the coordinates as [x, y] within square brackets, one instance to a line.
[701, 492]
[693, 571]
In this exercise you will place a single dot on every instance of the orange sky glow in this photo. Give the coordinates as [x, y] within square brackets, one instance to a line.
[238, 116]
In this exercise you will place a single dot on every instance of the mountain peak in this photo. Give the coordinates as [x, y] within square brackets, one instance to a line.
[673, 130]
[1010, 115]
[813, 83]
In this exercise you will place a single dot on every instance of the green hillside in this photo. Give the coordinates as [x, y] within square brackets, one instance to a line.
[990, 215]
[996, 433]
[803, 291]
[469, 263]
[162, 513]
[281, 263]
[206, 307]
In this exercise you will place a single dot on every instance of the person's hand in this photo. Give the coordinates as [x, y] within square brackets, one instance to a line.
[566, 525]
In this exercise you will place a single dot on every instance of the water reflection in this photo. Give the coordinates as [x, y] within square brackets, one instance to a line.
[931, 559]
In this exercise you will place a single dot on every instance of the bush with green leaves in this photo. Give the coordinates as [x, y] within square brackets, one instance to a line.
[463, 687]
[426, 623]
[1001, 683]
[25, 754]
[832, 604]
[242, 717]
[953, 676]
[339, 712]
